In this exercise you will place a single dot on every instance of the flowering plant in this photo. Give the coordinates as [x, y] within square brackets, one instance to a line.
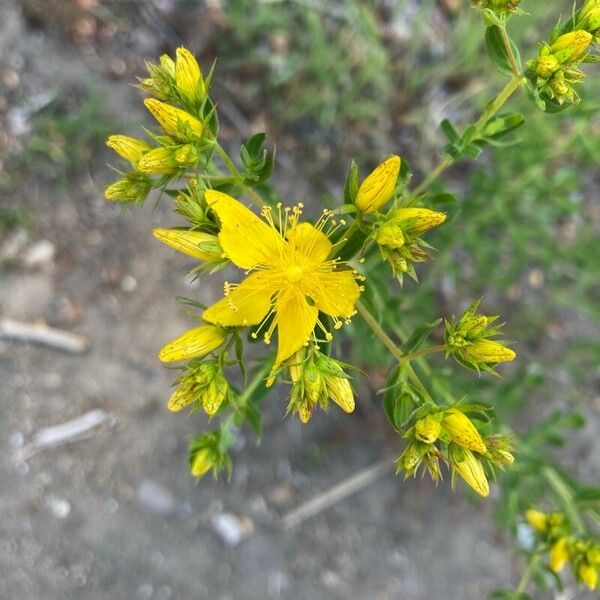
[304, 281]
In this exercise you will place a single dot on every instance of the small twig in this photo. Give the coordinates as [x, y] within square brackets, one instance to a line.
[69, 431]
[337, 493]
[39, 333]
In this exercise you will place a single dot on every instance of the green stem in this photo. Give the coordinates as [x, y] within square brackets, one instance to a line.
[524, 581]
[424, 352]
[239, 179]
[490, 110]
[395, 351]
[256, 380]
[512, 61]
[566, 497]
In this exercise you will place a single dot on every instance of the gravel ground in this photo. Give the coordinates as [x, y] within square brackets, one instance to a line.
[115, 515]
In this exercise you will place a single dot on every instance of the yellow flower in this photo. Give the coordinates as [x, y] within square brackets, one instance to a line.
[197, 244]
[469, 467]
[176, 122]
[559, 555]
[588, 574]
[378, 187]
[537, 519]
[195, 343]
[428, 429]
[462, 431]
[202, 462]
[488, 351]
[188, 76]
[292, 279]
[129, 148]
[416, 221]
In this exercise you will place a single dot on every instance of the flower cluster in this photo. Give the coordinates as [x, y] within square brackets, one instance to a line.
[180, 105]
[468, 341]
[556, 70]
[565, 547]
[448, 434]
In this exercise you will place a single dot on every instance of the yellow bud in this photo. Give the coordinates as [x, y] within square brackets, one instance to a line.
[167, 63]
[340, 391]
[570, 46]
[412, 457]
[188, 76]
[134, 187]
[195, 343]
[588, 574]
[593, 555]
[378, 187]
[546, 66]
[588, 17]
[313, 383]
[428, 429]
[462, 431]
[197, 244]
[186, 156]
[202, 462]
[416, 221]
[489, 352]
[304, 412]
[171, 118]
[296, 365]
[129, 148]
[214, 394]
[559, 555]
[390, 236]
[158, 160]
[537, 519]
[183, 396]
[469, 467]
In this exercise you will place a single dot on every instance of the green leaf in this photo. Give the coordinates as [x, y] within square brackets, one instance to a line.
[351, 185]
[419, 335]
[496, 50]
[449, 131]
[502, 124]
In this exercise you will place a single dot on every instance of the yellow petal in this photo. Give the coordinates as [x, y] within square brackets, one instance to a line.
[340, 391]
[310, 243]
[127, 147]
[378, 187]
[196, 244]
[246, 240]
[246, 304]
[537, 519]
[588, 574]
[158, 160]
[489, 351]
[335, 293]
[421, 219]
[295, 321]
[195, 343]
[201, 463]
[462, 431]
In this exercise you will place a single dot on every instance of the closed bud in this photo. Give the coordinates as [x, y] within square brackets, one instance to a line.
[416, 221]
[378, 187]
[202, 462]
[215, 393]
[197, 244]
[195, 343]
[186, 156]
[472, 327]
[588, 18]
[133, 187]
[340, 391]
[488, 352]
[129, 148]
[462, 431]
[469, 467]
[158, 160]
[185, 393]
[168, 65]
[559, 555]
[412, 457]
[390, 236]
[428, 429]
[537, 519]
[188, 76]
[570, 46]
[313, 383]
[546, 66]
[176, 122]
[588, 574]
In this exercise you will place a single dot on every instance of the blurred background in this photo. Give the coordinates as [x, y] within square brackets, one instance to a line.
[95, 499]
